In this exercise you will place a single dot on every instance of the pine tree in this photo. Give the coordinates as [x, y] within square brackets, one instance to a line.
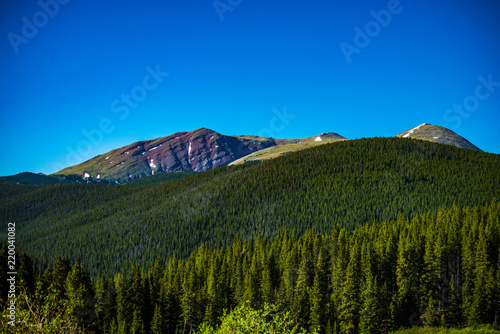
[351, 294]
[454, 314]
[125, 311]
[290, 262]
[405, 308]
[252, 283]
[340, 264]
[190, 307]
[26, 273]
[173, 310]
[106, 306]
[301, 305]
[215, 292]
[4, 284]
[320, 292]
[266, 286]
[141, 318]
[137, 326]
[496, 293]
[480, 308]
[81, 294]
[56, 277]
[158, 324]
[370, 313]
[429, 281]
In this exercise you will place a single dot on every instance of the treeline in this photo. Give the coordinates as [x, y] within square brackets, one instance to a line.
[439, 268]
[161, 177]
[348, 183]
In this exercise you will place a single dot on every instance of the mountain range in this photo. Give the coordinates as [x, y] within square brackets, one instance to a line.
[268, 230]
[204, 149]
[348, 182]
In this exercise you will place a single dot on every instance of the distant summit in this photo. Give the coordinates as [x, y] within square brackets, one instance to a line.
[204, 149]
[437, 134]
[289, 145]
[198, 150]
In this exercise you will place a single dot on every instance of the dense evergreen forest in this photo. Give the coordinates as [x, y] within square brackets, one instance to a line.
[162, 177]
[348, 184]
[438, 268]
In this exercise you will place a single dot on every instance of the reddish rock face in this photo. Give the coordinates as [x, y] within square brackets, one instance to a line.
[198, 150]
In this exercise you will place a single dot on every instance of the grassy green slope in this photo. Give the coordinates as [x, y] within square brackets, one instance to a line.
[276, 151]
[349, 183]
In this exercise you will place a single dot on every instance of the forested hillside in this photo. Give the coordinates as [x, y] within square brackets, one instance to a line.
[162, 177]
[32, 178]
[440, 268]
[346, 183]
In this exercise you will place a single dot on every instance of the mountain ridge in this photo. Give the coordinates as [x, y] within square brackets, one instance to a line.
[437, 134]
[204, 149]
[198, 150]
[348, 183]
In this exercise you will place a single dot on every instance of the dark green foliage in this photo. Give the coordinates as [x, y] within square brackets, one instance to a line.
[329, 283]
[81, 295]
[26, 273]
[55, 277]
[346, 183]
[4, 284]
[349, 310]
[320, 291]
[371, 312]
[32, 178]
[160, 178]
[106, 304]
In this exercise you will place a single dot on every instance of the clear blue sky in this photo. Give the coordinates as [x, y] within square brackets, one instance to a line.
[71, 67]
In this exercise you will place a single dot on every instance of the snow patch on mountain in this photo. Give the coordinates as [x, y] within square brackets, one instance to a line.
[413, 130]
[152, 165]
[154, 148]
